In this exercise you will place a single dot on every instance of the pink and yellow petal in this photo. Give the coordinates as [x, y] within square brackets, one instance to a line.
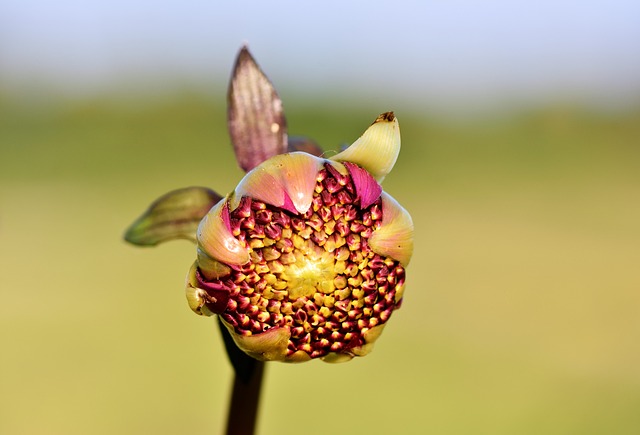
[287, 181]
[260, 184]
[299, 173]
[216, 240]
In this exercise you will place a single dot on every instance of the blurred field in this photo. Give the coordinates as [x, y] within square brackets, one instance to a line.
[521, 314]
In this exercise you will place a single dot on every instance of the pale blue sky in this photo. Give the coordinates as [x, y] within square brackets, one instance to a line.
[436, 52]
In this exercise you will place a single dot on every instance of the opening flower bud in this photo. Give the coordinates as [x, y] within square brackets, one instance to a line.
[289, 260]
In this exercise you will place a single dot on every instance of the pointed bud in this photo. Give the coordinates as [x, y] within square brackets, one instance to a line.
[257, 125]
[377, 149]
[175, 215]
[395, 237]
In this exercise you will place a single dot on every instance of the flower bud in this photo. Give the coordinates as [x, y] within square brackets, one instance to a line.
[306, 258]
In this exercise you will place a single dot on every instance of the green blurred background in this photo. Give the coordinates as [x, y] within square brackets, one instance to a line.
[521, 314]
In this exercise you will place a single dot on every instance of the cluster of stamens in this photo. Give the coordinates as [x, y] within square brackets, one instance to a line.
[312, 272]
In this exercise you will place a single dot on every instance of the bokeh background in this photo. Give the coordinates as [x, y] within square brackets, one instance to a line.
[520, 164]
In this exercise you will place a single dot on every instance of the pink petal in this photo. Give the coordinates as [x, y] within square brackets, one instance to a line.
[216, 240]
[264, 185]
[298, 174]
[367, 188]
[219, 294]
[287, 181]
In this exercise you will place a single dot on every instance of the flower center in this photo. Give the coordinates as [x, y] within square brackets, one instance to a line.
[314, 272]
[311, 272]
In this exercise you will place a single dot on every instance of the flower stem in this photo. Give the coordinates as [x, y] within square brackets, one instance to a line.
[245, 395]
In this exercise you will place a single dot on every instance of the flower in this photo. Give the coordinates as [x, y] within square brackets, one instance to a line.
[306, 257]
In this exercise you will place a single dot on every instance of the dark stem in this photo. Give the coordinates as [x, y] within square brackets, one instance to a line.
[245, 395]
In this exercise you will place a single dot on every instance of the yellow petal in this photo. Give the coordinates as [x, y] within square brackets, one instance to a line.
[370, 338]
[210, 268]
[196, 297]
[395, 237]
[334, 357]
[298, 356]
[377, 149]
[270, 345]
